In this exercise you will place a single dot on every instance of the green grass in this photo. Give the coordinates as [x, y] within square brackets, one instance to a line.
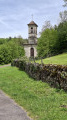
[40, 100]
[58, 59]
[1, 65]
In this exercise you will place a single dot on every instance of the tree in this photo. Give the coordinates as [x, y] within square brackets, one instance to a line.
[9, 38]
[46, 42]
[63, 16]
[65, 5]
[5, 54]
[47, 25]
[62, 37]
[10, 50]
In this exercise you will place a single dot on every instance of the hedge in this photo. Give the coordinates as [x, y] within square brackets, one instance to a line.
[55, 75]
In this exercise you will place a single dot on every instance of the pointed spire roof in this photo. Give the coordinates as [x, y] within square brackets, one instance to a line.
[32, 23]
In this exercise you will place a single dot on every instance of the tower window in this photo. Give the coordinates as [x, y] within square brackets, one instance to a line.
[31, 29]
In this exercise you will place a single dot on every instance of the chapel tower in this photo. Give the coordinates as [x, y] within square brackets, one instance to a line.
[32, 32]
[30, 47]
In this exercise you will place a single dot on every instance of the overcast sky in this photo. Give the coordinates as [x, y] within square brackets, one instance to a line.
[16, 14]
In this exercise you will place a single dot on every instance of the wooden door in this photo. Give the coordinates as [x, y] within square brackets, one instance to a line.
[32, 52]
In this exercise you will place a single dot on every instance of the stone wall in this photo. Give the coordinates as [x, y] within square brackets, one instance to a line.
[55, 75]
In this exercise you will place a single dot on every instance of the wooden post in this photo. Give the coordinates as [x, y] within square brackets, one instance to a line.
[41, 61]
[34, 60]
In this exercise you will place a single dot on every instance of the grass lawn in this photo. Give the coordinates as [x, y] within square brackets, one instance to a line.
[40, 100]
[0, 65]
[58, 59]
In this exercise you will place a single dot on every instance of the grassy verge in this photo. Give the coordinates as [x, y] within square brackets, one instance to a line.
[59, 59]
[1, 65]
[40, 100]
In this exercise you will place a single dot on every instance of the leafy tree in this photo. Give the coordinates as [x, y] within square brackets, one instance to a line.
[9, 51]
[47, 25]
[5, 54]
[3, 40]
[63, 16]
[65, 3]
[46, 42]
[16, 49]
[61, 43]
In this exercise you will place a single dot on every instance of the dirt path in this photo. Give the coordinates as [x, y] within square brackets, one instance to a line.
[5, 65]
[9, 110]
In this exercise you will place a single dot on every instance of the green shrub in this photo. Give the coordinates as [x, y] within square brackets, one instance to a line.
[10, 51]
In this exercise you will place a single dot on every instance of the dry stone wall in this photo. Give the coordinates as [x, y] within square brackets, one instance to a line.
[55, 75]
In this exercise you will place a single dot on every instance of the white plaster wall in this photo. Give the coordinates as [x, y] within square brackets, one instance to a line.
[27, 50]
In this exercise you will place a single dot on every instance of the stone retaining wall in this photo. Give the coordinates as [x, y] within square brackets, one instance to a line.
[55, 75]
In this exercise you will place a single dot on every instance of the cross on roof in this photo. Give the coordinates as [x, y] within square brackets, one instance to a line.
[32, 17]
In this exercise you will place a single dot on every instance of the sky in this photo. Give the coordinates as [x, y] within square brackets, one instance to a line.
[16, 14]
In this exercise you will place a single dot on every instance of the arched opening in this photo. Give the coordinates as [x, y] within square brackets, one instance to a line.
[31, 29]
[32, 52]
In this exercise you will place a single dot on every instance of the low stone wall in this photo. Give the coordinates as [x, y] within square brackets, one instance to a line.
[55, 75]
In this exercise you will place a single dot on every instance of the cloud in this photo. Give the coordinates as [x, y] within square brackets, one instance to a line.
[16, 14]
[4, 23]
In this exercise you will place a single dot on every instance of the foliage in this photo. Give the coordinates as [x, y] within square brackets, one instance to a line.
[4, 40]
[53, 41]
[61, 42]
[18, 40]
[47, 25]
[65, 5]
[46, 42]
[63, 16]
[9, 51]
[5, 56]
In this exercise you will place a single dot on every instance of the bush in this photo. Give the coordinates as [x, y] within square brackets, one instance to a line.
[46, 42]
[10, 51]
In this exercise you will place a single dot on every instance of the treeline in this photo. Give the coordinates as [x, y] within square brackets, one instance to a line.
[11, 48]
[53, 40]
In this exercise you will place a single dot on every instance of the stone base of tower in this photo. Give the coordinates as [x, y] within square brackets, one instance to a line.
[30, 50]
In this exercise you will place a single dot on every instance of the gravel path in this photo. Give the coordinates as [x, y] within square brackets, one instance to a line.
[5, 65]
[9, 110]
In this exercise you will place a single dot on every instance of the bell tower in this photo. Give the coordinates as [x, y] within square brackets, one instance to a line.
[30, 47]
[32, 32]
